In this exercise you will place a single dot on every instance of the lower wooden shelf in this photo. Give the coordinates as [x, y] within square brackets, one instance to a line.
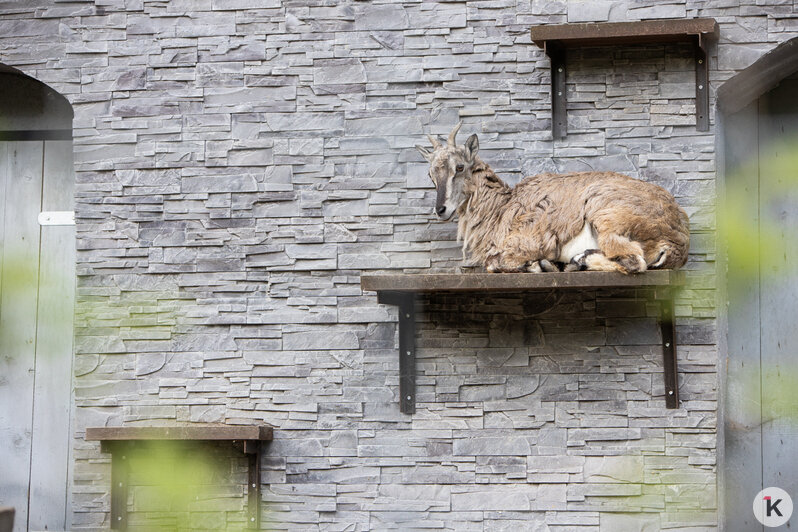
[118, 440]
[401, 290]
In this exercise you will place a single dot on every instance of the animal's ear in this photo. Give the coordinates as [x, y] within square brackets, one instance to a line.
[472, 146]
[427, 154]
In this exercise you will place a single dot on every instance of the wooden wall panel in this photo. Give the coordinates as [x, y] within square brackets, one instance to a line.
[53, 385]
[18, 305]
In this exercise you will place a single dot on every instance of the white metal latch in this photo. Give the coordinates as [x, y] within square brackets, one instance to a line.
[57, 218]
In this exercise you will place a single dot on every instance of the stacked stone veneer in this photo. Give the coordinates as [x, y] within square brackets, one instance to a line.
[241, 162]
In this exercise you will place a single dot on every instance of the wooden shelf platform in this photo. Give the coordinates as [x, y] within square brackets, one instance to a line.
[556, 38]
[201, 433]
[515, 282]
[401, 290]
[634, 32]
[118, 440]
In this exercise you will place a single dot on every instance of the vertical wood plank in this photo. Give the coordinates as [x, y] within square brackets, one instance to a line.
[53, 382]
[18, 321]
[742, 422]
[778, 203]
[4, 171]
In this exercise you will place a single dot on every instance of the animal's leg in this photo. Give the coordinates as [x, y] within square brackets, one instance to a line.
[502, 262]
[539, 266]
[493, 262]
[593, 260]
[626, 253]
[512, 263]
[525, 251]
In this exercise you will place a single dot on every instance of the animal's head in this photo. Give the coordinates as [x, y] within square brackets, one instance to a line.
[450, 168]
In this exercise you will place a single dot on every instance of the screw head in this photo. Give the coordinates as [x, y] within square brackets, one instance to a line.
[700, 61]
[409, 397]
[700, 87]
[559, 69]
[667, 344]
[670, 392]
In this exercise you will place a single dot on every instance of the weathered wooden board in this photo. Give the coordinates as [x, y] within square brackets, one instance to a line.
[20, 269]
[778, 205]
[760, 421]
[511, 282]
[204, 432]
[624, 32]
[53, 384]
[4, 168]
[743, 420]
[758, 78]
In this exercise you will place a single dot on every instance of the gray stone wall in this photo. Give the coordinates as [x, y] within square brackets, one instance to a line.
[241, 162]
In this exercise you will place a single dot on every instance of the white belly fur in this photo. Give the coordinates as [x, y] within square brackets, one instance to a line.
[586, 239]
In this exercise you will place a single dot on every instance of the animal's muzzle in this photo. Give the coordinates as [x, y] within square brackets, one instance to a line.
[440, 200]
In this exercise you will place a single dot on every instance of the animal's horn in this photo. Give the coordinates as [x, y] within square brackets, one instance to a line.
[434, 141]
[453, 134]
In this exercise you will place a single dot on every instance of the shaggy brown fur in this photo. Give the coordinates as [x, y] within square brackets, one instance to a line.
[507, 228]
[636, 225]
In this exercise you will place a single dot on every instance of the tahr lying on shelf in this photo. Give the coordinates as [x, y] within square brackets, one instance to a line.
[601, 221]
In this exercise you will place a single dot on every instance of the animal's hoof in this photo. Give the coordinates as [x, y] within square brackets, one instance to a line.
[533, 267]
[630, 263]
[547, 266]
[579, 262]
[492, 264]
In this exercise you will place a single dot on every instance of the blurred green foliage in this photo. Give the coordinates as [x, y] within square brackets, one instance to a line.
[751, 217]
[178, 486]
[757, 226]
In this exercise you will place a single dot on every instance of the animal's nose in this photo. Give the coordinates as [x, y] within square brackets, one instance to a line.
[440, 210]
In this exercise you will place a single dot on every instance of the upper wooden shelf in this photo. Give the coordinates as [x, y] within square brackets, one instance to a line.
[515, 282]
[556, 39]
[205, 432]
[610, 33]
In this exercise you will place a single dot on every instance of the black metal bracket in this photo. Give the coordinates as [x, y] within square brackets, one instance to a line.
[405, 301]
[669, 365]
[120, 476]
[559, 118]
[701, 85]
[252, 450]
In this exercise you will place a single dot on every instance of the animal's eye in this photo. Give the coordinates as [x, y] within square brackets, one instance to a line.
[459, 168]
